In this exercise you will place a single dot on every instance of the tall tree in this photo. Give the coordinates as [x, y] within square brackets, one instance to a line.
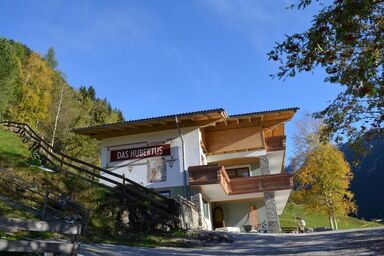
[346, 40]
[35, 98]
[324, 182]
[58, 110]
[51, 58]
[9, 74]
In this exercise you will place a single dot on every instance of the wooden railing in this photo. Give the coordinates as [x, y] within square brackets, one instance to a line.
[46, 204]
[216, 174]
[275, 143]
[273, 182]
[127, 189]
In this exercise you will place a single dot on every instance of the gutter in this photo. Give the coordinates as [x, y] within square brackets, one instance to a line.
[183, 155]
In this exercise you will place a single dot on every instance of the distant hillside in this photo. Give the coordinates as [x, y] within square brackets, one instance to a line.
[34, 90]
[368, 181]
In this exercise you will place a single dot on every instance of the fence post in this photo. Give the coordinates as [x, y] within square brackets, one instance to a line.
[124, 199]
[93, 174]
[86, 220]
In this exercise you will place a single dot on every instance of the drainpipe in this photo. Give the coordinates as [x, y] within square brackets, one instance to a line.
[183, 155]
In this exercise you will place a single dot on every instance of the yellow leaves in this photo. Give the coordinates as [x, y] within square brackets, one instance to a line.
[324, 182]
[35, 97]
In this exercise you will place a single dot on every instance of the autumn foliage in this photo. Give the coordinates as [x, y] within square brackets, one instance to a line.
[34, 91]
[324, 182]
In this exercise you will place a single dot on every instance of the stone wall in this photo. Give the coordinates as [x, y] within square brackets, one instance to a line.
[269, 197]
[271, 213]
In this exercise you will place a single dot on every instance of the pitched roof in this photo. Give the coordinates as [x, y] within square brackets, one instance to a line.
[263, 112]
[157, 118]
[189, 119]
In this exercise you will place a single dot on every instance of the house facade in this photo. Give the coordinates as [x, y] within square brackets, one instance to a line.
[231, 166]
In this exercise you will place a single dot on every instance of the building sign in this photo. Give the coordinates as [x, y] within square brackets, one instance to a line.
[143, 152]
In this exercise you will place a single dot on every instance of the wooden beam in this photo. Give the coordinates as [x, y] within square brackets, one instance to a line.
[146, 125]
[162, 122]
[107, 133]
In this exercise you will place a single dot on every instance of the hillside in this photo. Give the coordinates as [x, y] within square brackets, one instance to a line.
[34, 90]
[287, 219]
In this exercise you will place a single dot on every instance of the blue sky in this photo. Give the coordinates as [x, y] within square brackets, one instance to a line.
[157, 57]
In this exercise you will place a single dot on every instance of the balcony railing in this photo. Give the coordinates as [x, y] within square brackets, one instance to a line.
[216, 174]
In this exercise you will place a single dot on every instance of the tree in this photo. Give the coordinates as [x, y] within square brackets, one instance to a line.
[346, 40]
[51, 58]
[324, 183]
[35, 99]
[305, 139]
[57, 113]
[9, 74]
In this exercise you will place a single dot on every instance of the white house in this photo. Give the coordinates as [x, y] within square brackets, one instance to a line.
[233, 166]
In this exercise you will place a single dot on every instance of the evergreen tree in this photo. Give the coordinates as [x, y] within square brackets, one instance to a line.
[51, 58]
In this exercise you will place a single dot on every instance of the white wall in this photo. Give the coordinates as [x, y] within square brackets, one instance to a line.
[136, 169]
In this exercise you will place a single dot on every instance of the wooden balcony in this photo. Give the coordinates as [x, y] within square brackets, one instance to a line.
[216, 174]
[275, 143]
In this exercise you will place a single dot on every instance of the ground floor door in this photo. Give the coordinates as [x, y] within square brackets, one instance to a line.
[218, 218]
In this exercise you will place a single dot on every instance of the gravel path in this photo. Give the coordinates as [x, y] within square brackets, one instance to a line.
[352, 242]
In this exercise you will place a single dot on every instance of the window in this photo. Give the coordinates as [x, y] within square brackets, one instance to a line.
[205, 209]
[238, 172]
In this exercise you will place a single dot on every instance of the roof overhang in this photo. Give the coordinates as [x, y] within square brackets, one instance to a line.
[264, 119]
[214, 117]
[192, 119]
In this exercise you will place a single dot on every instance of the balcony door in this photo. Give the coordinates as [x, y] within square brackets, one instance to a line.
[236, 172]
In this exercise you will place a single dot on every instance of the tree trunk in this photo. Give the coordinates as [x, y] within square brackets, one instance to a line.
[330, 222]
[335, 221]
[57, 115]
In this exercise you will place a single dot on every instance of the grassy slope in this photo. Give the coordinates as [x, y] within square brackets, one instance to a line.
[13, 155]
[287, 219]
[12, 150]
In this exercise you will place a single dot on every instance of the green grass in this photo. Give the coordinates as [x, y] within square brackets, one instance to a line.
[287, 219]
[13, 153]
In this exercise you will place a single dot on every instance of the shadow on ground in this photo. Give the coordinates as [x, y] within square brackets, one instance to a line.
[353, 242]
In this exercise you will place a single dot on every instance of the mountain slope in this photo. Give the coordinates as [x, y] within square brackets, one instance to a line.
[368, 181]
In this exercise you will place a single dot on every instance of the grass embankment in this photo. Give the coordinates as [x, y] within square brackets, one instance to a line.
[287, 219]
